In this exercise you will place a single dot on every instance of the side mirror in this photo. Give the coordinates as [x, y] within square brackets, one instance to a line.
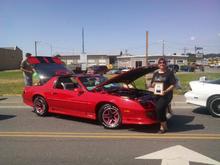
[78, 90]
[203, 78]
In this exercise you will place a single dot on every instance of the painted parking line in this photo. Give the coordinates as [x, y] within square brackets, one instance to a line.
[88, 135]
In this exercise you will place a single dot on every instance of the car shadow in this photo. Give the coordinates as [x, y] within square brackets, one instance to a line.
[4, 98]
[153, 128]
[72, 118]
[178, 123]
[181, 123]
[201, 111]
[6, 117]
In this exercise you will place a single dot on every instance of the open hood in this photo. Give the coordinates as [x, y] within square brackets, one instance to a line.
[129, 76]
[48, 67]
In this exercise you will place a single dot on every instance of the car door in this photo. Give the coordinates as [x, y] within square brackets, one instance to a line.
[70, 101]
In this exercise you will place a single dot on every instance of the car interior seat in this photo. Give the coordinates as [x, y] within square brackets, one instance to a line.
[69, 86]
[65, 83]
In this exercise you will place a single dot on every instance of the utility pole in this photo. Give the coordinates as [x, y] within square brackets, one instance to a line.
[147, 48]
[163, 49]
[83, 50]
[35, 46]
[83, 55]
[147, 75]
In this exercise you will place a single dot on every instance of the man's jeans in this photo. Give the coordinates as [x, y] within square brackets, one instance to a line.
[28, 80]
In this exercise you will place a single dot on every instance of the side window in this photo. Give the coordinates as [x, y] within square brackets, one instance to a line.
[66, 83]
[58, 84]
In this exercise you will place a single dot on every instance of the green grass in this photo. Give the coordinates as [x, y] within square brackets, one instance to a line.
[14, 74]
[11, 82]
[185, 78]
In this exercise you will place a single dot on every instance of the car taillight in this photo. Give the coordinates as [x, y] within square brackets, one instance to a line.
[190, 88]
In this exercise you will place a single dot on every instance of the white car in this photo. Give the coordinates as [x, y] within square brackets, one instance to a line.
[205, 93]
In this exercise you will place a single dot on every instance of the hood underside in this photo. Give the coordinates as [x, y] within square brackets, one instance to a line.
[130, 76]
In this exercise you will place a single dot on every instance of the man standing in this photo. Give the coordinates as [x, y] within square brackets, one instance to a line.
[27, 70]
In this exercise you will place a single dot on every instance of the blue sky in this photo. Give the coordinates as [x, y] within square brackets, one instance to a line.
[110, 26]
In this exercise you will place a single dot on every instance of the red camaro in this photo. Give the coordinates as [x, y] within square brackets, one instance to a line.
[112, 102]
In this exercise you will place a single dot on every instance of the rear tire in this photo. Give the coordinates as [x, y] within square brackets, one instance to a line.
[213, 106]
[40, 106]
[109, 116]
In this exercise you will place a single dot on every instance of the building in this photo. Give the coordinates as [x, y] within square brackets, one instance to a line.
[124, 60]
[11, 58]
[131, 61]
[92, 59]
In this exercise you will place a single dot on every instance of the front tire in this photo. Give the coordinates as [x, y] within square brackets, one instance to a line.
[214, 106]
[40, 106]
[109, 116]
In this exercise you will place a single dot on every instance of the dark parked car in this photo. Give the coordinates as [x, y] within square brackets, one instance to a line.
[97, 69]
[174, 67]
[187, 68]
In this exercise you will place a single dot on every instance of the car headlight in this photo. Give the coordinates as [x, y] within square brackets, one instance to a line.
[42, 76]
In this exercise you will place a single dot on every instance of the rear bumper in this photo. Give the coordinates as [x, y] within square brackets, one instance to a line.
[193, 98]
[27, 99]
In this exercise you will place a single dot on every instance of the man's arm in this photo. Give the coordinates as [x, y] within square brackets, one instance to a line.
[22, 67]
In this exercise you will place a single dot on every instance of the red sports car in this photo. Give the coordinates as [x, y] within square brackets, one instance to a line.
[112, 102]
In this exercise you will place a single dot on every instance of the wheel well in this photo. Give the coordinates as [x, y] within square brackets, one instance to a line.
[211, 98]
[99, 105]
[36, 96]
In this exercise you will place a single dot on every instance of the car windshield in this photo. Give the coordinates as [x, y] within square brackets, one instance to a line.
[214, 81]
[91, 81]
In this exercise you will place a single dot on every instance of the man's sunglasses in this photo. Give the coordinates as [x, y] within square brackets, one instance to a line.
[162, 62]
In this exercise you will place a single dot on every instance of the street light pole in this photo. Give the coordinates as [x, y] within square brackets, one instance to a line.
[35, 46]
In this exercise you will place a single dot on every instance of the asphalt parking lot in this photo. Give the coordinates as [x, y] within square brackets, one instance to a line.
[25, 138]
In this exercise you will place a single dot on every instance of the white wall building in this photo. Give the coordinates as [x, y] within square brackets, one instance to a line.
[125, 60]
[140, 60]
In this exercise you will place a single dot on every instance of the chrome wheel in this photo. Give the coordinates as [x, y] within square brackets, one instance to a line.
[40, 106]
[214, 106]
[110, 116]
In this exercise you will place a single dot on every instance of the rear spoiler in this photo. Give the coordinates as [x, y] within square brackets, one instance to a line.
[42, 59]
[48, 67]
